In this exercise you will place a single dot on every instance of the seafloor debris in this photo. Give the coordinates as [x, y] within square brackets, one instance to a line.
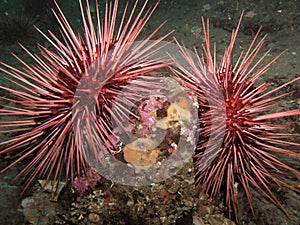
[168, 202]
[162, 203]
[39, 209]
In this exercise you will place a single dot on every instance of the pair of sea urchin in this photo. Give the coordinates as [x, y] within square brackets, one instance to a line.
[39, 110]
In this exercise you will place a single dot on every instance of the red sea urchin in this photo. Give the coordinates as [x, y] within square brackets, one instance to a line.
[250, 141]
[42, 101]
